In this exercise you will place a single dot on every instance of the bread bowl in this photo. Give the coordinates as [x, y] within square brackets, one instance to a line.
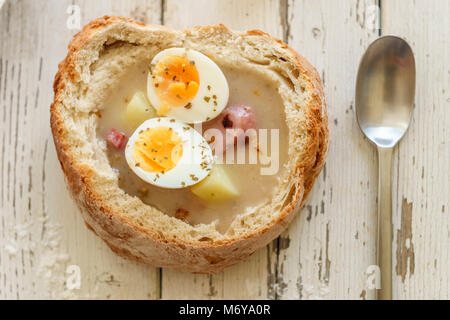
[100, 57]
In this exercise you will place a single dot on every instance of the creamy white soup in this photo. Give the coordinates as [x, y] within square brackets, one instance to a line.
[246, 88]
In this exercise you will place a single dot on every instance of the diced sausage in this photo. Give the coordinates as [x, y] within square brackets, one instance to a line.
[239, 117]
[117, 139]
[181, 214]
[234, 124]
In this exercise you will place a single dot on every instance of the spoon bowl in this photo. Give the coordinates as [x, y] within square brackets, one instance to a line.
[384, 100]
[385, 90]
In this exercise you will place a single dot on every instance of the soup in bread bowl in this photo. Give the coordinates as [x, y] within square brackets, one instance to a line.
[187, 149]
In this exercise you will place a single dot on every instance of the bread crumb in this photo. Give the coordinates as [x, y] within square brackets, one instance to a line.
[11, 249]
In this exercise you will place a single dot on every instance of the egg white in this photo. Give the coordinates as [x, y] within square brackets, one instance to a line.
[194, 165]
[209, 75]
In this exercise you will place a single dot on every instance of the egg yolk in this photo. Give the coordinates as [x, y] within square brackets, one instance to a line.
[157, 149]
[176, 82]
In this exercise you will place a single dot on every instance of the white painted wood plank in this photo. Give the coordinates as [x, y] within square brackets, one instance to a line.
[331, 243]
[250, 279]
[238, 15]
[41, 231]
[422, 165]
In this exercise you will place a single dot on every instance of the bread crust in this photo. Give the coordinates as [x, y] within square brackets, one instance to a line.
[130, 240]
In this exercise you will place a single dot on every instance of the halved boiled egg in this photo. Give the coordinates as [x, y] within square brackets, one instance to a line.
[186, 85]
[168, 153]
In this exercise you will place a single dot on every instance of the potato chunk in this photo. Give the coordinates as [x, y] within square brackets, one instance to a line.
[139, 110]
[216, 187]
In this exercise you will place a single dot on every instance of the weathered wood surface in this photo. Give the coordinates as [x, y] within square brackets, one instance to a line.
[41, 230]
[422, 164]
[326, 251]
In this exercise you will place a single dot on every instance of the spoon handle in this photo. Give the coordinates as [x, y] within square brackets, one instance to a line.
[384, 223]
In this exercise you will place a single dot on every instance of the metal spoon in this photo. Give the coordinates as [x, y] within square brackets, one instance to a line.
[384, 103]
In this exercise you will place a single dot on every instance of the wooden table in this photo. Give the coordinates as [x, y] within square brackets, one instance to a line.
[328, 249]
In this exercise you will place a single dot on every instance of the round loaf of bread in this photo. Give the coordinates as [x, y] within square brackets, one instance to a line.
[98, 55]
